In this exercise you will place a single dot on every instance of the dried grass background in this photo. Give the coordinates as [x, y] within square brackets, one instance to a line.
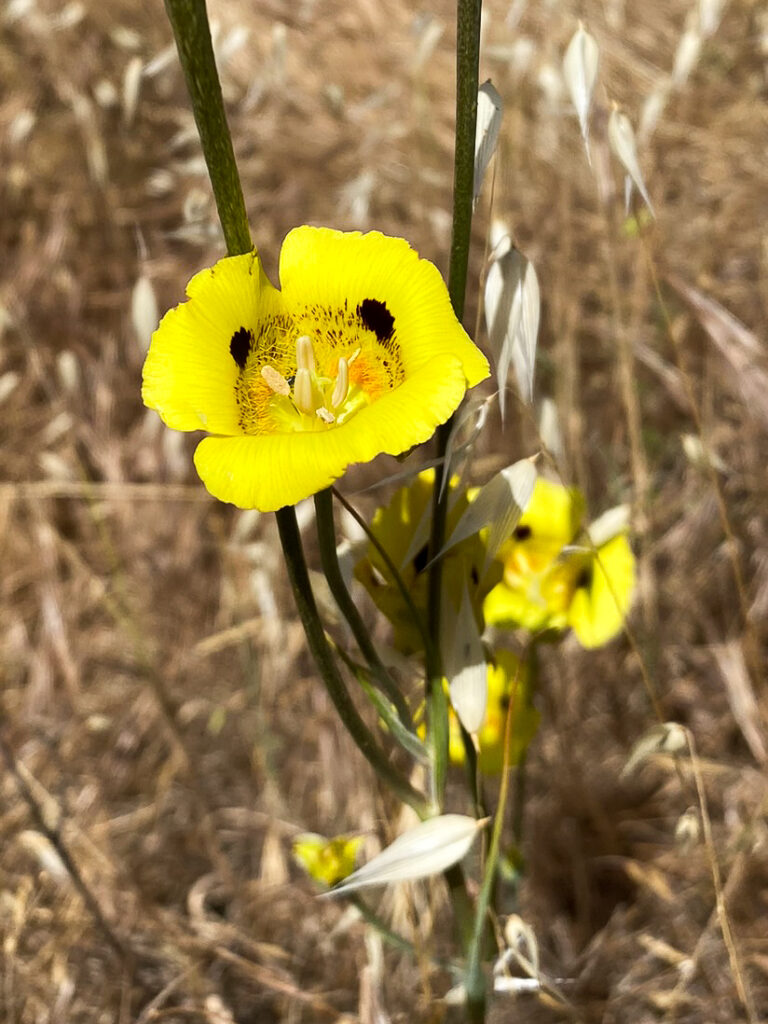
[158, 707]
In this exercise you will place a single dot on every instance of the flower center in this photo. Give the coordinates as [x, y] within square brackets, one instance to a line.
[315, 370]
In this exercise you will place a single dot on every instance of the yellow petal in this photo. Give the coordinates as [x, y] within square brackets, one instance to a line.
[509, 675]
[553, 512]
[327, 860]
[597, 611]
[190, 372]
[402, 527]
[269, 471]
[509, 608]
[406, 294]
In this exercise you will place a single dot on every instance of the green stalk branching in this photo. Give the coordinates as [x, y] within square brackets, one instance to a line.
[326, 664]
[467, 81]
[189, 20]
[326, 536]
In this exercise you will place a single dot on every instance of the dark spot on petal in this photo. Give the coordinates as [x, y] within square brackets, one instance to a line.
[474, 575]
[523, 532]
[584, 581]
[240, 346]
[377, 318]
[420, 559]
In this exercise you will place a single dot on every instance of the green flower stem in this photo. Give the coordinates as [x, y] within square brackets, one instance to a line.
[189, 21]
[467, 81]
[474, 981]
[326, 535]
[321, 652]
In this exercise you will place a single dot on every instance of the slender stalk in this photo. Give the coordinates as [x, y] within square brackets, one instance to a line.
[467, 81]
[189, 21]
[321, 652]
[467, 60]
[418, 618]
[474, 982]
[329, 559]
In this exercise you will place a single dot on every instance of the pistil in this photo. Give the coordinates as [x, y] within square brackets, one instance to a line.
[303, 397]
[310, 393]
[305, 356]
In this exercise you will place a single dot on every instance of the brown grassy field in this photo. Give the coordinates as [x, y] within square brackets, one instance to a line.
[158, 709]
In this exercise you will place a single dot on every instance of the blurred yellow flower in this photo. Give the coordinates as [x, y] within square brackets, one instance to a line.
[326, 860]
[507, 677]
[358, 353]
[402, 527]
[551, 581]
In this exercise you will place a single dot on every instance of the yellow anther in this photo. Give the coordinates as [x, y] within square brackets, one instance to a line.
[276, 381]
[342, 385]
[303, 397]
[305, 356]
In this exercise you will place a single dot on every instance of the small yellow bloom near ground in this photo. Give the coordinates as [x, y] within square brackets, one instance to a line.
[327, 860]
[554, 580]
[508, 677]
[358, 353]
[402, 527]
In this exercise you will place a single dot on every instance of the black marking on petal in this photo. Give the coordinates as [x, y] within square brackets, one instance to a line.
[377, 318]
[240, 346]
[584, 580]
[523, 532]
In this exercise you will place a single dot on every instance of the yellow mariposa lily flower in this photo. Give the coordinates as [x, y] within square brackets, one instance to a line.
[358, 353]
[403, 528]
[553, 581]
[327, 860]
[506, 677]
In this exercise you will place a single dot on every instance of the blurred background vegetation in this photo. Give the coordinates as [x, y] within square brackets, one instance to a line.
[157, 703]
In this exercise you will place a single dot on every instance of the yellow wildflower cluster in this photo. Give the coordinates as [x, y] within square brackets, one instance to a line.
[547, 577]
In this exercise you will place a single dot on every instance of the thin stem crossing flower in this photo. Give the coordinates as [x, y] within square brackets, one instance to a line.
[358, 353]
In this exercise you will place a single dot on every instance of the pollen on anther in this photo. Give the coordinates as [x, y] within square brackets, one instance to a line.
[275, 381]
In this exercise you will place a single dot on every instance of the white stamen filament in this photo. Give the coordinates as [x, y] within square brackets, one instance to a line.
[342, 385]
[354, 356]
[302, 392]
[325, 415]
[305, 356]
[275, 381]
